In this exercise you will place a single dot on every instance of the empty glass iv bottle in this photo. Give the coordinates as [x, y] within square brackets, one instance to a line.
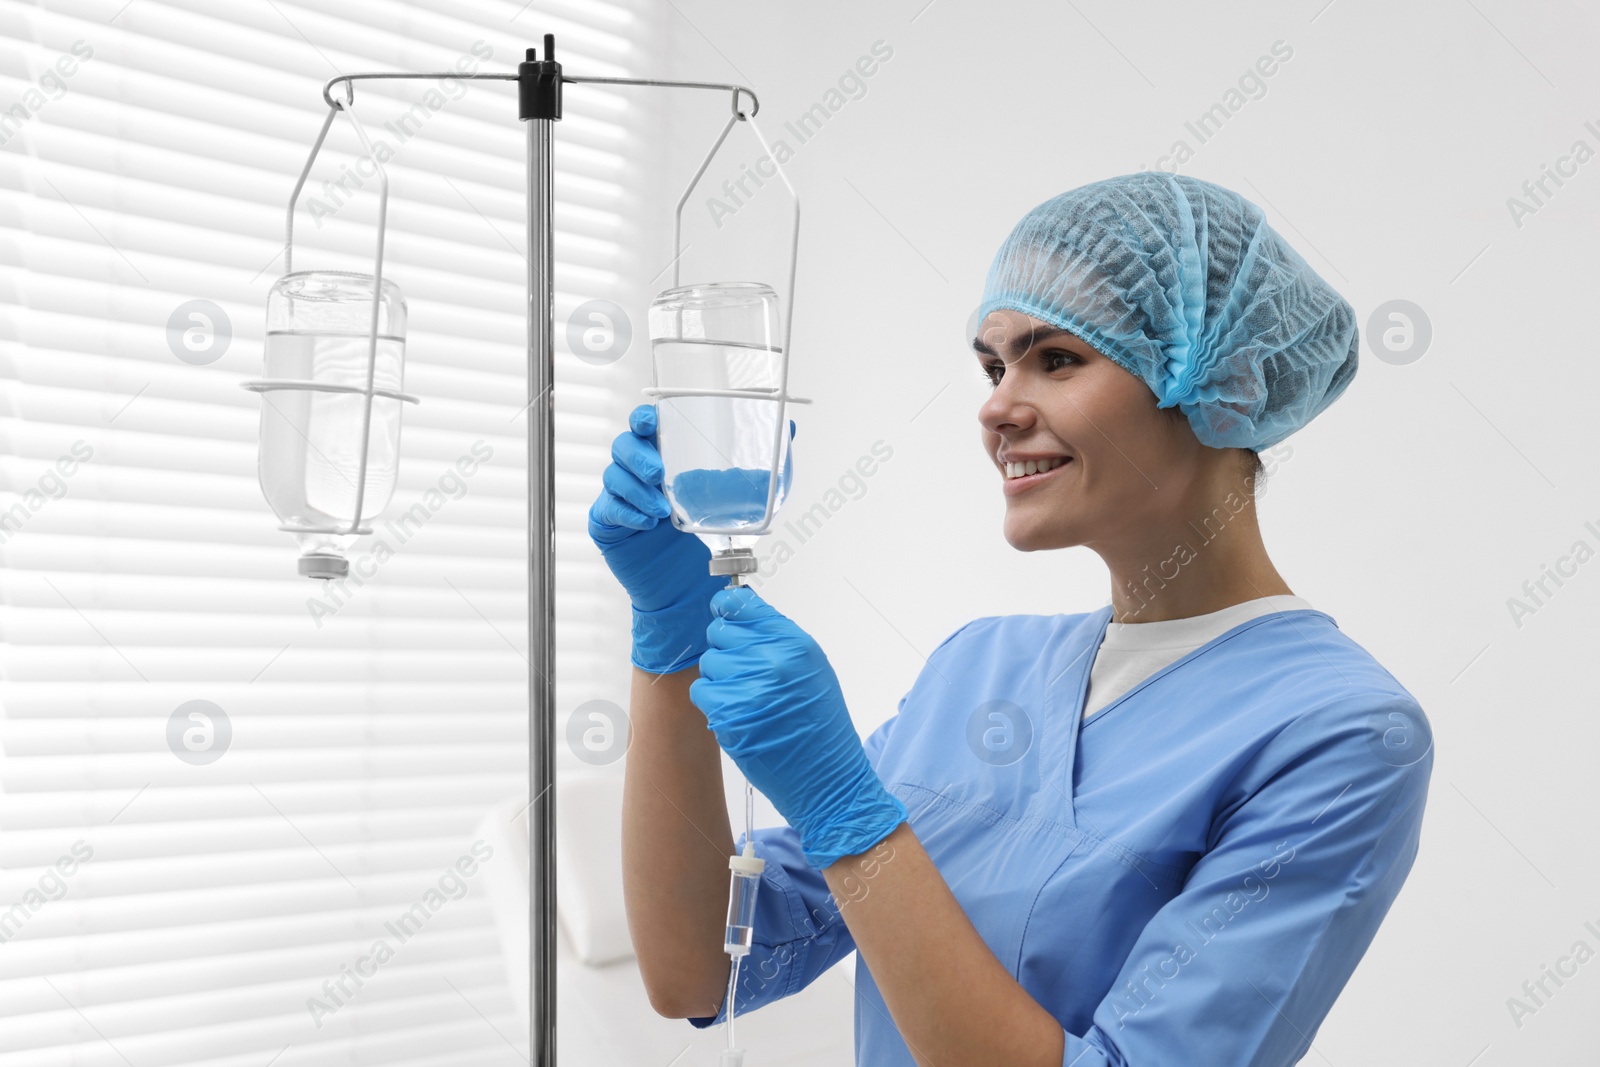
[313, 406]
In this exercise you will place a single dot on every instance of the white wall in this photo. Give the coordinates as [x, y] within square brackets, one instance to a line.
[1385, 150]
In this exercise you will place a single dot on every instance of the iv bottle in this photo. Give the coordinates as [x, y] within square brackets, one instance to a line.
[720, 452]
[312, 406]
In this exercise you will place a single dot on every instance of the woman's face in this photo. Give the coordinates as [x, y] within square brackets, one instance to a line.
[1125, 468]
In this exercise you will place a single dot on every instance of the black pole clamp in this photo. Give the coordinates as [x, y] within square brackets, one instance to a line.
[539, 83]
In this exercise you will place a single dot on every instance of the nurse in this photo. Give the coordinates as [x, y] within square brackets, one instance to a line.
[1160, 832]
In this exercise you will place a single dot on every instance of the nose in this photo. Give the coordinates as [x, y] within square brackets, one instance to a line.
[1008, 407]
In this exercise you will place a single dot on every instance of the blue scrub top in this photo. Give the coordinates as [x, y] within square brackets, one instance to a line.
[1190, 875]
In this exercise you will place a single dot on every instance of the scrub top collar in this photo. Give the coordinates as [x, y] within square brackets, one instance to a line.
[1071, 679]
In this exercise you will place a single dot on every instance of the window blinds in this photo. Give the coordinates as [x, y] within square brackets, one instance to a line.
[161, 903]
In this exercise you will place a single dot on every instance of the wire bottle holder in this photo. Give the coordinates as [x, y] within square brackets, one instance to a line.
[742, 561]
[321, 565]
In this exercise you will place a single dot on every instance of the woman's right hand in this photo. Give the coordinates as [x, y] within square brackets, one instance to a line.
[663, 568]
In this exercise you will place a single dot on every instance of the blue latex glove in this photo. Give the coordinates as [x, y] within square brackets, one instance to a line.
[663, 568]
[774, 703]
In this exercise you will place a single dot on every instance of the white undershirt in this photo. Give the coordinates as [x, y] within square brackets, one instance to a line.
[1133, 651]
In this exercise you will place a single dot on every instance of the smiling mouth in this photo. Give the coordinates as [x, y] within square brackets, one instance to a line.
[1021, 483]
[1030, 467]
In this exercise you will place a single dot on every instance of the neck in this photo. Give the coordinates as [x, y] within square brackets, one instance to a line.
[1208, 559]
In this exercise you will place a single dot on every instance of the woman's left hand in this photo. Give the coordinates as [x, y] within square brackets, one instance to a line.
[772, 700]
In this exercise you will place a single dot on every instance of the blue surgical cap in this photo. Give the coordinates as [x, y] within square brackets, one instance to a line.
[1184, 285]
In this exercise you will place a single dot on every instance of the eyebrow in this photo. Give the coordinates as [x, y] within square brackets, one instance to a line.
[982, 347]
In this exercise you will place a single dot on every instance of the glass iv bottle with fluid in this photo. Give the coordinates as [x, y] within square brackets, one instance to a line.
[720, 372]
[313, 407]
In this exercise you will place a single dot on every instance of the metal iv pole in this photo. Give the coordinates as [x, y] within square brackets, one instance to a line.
[538, 106]
[539, 91]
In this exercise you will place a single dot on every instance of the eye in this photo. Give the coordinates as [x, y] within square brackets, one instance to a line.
[1052, 359]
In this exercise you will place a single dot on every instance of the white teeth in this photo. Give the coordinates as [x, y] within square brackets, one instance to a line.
[1032, 466]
